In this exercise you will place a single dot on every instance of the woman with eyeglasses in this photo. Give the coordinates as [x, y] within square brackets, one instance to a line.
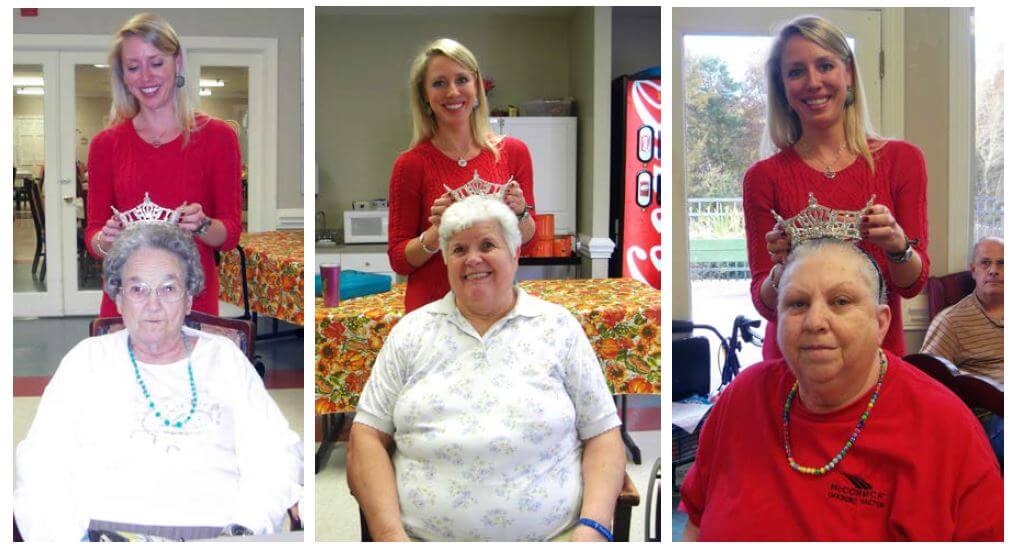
[157, 143]
[156, 430]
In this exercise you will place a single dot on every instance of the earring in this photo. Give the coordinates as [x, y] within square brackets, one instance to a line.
[850, 96]
[180, 81]
[476, 104]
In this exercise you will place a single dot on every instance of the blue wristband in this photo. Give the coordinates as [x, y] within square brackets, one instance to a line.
[605, 532]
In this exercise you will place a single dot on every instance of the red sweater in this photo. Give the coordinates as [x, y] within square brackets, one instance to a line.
[783, 181]
[417, 181]
[122, 168]
[922, 468]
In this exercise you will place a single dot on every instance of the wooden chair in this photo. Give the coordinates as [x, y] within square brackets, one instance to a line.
[628, 498]
[945, 291]
[239, 331]
[978, 392]
[35, 204]
[934, 366]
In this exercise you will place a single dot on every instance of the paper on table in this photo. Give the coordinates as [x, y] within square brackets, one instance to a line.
[687, 415]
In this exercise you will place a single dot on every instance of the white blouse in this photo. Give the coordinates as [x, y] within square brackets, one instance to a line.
[96, 451]
[488, 429]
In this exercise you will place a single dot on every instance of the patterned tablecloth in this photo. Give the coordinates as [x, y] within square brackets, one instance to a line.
[275, 268]
[622, 318]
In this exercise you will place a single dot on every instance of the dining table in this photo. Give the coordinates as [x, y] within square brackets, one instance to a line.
[621, 317]
[273, 274]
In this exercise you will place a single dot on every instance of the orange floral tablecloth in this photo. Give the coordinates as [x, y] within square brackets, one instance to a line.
[622, 317]
[275, 268]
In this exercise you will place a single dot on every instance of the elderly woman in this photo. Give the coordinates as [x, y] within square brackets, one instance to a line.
[493, 405]
[839, 439]
[157, 429]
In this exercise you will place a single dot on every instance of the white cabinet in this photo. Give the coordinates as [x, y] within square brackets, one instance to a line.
[552, 142]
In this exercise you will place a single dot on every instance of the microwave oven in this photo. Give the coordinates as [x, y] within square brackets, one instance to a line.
[366, 227]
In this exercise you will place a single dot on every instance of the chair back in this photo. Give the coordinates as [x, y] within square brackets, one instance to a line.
[946, 291]
[980, 392]
[238, 331]
[35, 204]
[934, 366]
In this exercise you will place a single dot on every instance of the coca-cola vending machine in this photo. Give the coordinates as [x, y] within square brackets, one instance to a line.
[635, 213]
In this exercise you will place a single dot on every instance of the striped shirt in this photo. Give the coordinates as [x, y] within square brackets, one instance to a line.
[968, 336]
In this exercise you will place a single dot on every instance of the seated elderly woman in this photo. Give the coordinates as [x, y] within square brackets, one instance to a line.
[839, 439]
[157, 430]
[493, 404]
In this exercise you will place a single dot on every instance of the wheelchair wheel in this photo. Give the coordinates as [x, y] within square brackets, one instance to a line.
[653, 506]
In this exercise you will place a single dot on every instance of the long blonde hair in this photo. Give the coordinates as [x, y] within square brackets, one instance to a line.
[784, 127]
[157, 32]
[424, 120]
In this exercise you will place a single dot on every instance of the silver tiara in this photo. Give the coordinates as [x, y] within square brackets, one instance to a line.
[478, 186]
[147, 213]
[818, 221]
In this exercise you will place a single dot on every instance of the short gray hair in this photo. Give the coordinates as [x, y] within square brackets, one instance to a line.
[469, 211]
[973, 250]
[157, 236]
[869, 269]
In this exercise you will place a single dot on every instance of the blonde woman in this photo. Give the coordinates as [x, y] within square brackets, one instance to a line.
[452, 142]
[817, 118]
[157, 144]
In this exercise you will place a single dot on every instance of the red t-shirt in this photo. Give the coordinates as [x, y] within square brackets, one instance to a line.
[922, 468]
[417, 181]
[783, 181]
[122, 168]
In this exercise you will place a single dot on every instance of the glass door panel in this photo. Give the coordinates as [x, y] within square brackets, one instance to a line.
[92, 102]
[223, 94]
[29, 226]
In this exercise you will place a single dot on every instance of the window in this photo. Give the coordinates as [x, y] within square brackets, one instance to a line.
[988, 194]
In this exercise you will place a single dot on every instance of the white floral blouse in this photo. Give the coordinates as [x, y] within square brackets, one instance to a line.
[488, 429]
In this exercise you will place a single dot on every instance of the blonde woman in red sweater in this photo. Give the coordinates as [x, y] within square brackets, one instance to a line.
[158, 144]
[452, 143]
[817, 119]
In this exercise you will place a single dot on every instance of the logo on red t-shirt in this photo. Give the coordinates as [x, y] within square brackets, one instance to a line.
[859, 492]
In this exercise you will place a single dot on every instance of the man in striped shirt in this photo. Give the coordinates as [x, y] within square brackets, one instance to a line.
[971, 333]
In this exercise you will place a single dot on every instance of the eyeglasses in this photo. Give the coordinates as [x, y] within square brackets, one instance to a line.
[140, 292]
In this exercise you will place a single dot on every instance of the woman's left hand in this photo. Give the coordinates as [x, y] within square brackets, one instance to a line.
[191, 216]
[514, 198]
[880, 228]
[585, 533]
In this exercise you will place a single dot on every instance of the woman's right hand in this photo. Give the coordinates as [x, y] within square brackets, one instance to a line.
[439, 207]
[778, 244]
[110, 231]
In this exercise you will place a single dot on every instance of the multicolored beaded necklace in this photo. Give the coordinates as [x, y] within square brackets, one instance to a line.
[152, 405]
[849, 443]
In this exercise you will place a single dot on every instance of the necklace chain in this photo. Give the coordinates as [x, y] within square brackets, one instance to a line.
[179, 423]
[818, 471]
[829, 170]
[461, 157]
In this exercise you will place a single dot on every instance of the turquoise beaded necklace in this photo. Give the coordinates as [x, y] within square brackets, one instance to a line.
[818, 471]
[148, 398]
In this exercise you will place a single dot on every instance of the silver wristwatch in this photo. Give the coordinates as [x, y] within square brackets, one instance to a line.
[523, 216]
[203, 227]
[903, 257]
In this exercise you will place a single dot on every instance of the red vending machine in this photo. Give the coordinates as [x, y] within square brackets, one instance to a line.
[636, 209]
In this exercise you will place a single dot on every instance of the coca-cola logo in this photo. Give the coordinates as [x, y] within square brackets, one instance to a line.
[636, 254]
[647, 100]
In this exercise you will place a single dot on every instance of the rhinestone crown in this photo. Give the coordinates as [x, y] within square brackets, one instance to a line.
[818, 221]
[478, 186]
[147, 212]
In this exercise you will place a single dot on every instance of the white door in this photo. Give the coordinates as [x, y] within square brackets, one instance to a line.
[37, 277]
[719, 56]
[84, 107]
[234, 87]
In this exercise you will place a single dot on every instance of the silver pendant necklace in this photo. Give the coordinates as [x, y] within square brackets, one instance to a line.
[461, 157]
[829, 171]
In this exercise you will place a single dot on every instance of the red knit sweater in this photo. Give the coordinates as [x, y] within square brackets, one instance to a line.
[122, 168]
[783, 181]
[417, 181]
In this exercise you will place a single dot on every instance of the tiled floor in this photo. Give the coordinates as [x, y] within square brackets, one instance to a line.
[337, 513]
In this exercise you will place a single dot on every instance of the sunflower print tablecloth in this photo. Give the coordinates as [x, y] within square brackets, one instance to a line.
[622, 318]
[275, 270]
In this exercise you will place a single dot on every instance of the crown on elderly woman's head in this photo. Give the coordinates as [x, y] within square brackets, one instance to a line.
[818, 221]
[147, 212]
[478, 186]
